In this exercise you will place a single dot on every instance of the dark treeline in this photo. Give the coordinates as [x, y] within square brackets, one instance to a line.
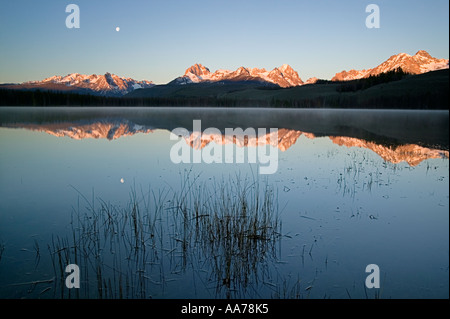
[365, 83]
[407, 100]
[425, 101]
[50, 98]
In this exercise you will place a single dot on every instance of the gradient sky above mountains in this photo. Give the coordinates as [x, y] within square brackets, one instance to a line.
[158, 40]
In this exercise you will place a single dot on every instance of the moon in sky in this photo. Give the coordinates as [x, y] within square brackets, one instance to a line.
[117, 29]
[122, 180]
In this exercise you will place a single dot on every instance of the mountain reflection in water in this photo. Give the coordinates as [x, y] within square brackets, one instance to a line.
[112, 129]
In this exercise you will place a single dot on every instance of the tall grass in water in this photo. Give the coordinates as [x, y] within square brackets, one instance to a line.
[224, 232]
[2, 248]
[235, 223]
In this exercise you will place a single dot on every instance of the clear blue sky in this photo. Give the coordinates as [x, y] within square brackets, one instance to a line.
[158, 40]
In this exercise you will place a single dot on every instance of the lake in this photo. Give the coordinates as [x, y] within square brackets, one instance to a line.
[149, 207]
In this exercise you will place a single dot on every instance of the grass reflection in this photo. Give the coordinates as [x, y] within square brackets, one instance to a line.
[224, 232]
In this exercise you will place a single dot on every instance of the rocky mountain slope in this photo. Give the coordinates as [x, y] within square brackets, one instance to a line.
[283, 76]
[106, 85]
[419, 63]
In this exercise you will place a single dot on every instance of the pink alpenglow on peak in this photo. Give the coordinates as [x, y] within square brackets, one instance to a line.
[312, 80]
[283, 76]
[198, 69]
[419, 63]
[107, 84]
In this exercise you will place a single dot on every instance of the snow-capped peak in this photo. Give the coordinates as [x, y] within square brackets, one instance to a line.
[423, 53]
[421, 62]
[197, 69]
[285, 67]
[283, 76]
[107, 84]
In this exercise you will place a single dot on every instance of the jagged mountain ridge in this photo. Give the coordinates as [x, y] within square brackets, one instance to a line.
[106, 85]
[283, 76]
[113, 129]
[419, 63]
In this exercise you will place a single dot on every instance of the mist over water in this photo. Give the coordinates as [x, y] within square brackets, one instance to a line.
[401, 126]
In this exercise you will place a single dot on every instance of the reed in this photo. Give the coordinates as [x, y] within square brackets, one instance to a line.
[236, 225]
[223, 232]
[2, 249]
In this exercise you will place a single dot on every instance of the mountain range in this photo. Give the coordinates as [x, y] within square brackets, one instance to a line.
[106, 85]
[419, 63]
[285, 76]
[281, 77]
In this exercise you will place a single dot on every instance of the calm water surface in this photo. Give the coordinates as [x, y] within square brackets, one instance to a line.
[97, 187]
